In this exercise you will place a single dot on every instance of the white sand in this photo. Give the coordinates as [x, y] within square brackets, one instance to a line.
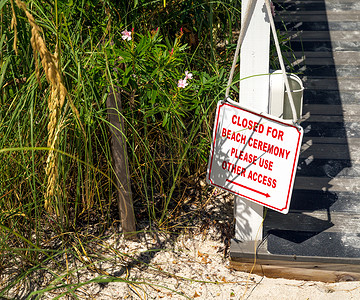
[194, 267]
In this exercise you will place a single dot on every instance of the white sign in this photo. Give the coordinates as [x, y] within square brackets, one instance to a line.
[254, 155]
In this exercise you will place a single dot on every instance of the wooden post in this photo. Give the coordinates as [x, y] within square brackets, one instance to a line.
[254, 93]
[120, 164]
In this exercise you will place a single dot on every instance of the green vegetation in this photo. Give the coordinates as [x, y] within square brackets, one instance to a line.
[58, 61]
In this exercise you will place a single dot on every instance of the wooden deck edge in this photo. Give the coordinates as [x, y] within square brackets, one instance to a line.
[294, 273]
[326, 269]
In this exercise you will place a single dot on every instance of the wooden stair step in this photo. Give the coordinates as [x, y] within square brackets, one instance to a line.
[327, 184]
[290, 24]
[313, 166]
[317, 221]
[349, 58]
[330, 83]
[333, 130]
[332, 110]
[322, 71]
[317, 16]
[324, 244]
[331, 97]
[329, 6]
[325, 46]
[323, 36]
[309, 201]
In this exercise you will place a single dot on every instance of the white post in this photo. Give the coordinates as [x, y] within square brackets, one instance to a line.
[254, 93]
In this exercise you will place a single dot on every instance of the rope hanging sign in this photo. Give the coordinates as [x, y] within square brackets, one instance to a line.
[253, 154]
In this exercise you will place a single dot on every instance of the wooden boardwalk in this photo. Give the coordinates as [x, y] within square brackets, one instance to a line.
[321, 233]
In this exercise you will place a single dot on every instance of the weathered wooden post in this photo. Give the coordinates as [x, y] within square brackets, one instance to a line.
[120, 164]
[254, 93]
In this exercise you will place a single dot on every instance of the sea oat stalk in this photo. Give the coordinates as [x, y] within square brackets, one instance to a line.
[56, 99]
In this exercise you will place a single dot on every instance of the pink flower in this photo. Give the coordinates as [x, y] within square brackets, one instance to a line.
[182, 83]
[188, 75]
[126, 35]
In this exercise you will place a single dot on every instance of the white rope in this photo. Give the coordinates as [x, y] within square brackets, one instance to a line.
[248, 13]
[249, 10]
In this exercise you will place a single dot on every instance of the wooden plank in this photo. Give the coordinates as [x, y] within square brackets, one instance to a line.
[120, 164]
[313, 272]
[330, 119]
[316, 1]
[316, 221]
[336, 6]
[320, 268]
[316, 36]
[330, 113]
[340, 83]
[326, 184]
[318, 6]
[331, 148]
[325, 45]
[330, 168]
[245, 252]
[312, 151]
[311, 54]
[326, 70]
[296, 221]
[317, 26]
[317, 16]
[333, 110]
[351, 58]
[310, 201]
[329, 140]
[344, 16]
[319, 97]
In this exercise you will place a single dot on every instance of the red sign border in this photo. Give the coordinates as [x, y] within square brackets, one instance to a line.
[294, 164]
